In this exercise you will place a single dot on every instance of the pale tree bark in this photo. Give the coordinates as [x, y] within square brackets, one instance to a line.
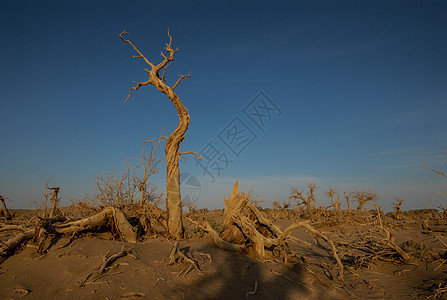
[347, 201]
[54, 199]
[331, 193]
[173, 199]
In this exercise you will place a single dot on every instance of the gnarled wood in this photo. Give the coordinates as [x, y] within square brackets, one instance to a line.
[173, 198]
[233, 207]
[246, 224]
[220, 242]
[96, 221]
[14, 242]
[54, 199]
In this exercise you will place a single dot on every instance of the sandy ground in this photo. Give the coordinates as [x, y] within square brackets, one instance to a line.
[146, 275]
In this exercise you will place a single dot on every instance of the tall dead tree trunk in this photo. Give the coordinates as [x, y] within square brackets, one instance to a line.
[173, 199]
[54, 200]
[347, 201]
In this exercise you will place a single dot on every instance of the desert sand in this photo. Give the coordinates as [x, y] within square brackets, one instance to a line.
[62, 270]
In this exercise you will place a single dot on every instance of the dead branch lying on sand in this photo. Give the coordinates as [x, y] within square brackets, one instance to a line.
[255, 289]
[246, 228]
[96, 221]
[108, 260]
[376, 243]
[109, 215]
[58, 225]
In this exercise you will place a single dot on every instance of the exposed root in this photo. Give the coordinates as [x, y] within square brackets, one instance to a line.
[312, 230]
[182, 256]
[160, 279]
[255, 289]
[108, 260]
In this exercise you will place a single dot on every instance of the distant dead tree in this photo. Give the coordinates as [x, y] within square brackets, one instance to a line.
[113, 189]
[347, 201]
[142, 169]
[332, 194]
[281, 207]
[4, 212]
[398, 202]
[54, 199]
[436, 172]
[364, 197]
[173, 198]
[121, 188]
[307, 200]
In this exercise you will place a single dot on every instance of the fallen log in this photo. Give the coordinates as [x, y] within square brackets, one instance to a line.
[98, 220]
[15, 242]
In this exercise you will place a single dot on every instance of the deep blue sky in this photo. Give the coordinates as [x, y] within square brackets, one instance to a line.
[361, 85]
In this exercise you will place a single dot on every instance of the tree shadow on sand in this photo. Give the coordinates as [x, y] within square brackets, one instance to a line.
[232, 276]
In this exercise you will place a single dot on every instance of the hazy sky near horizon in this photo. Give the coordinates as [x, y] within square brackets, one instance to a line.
[348, 94]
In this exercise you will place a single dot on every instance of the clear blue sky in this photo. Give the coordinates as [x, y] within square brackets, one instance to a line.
[361, 87]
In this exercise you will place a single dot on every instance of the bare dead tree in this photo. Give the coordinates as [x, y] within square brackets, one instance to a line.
[281, 207]
[113, 189]
[142, 169]
[54, 199]
[173, 198]
[4, 212]
[332, 194]
[398, 202]
[347, 201]
[364, 197]
[308, 201]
